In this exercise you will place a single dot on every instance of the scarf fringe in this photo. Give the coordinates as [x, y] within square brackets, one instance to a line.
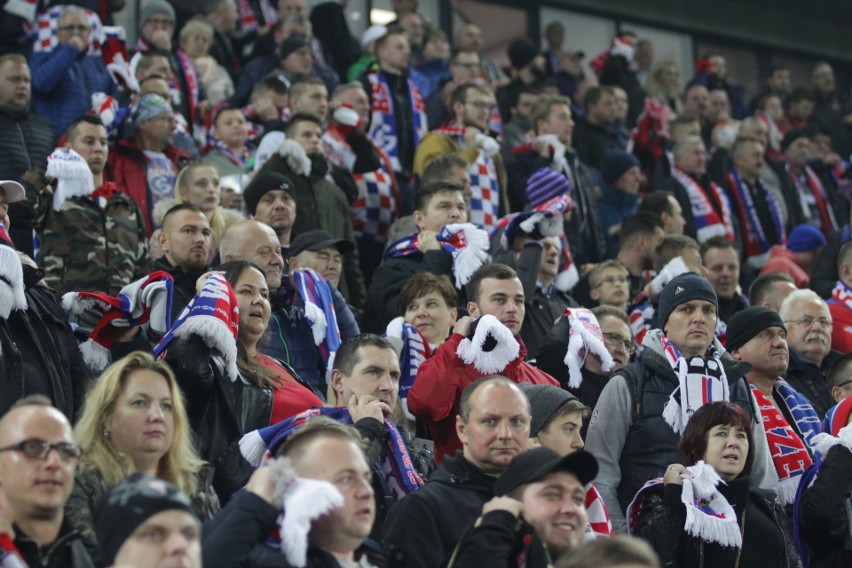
[316, 318]
[672, 414]
[12, 292]
[95, 355]
[787, 489]
[216, 335]
[726, 533]
[467, 260]
[74, 178]
[494, 361]
[253, 448]
[567, 279]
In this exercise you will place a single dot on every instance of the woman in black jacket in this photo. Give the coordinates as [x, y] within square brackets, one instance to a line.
[720, 435]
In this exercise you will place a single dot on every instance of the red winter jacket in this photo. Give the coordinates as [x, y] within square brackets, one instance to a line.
[129, 170]
[841, 335]
[436, 392]
[782, 260]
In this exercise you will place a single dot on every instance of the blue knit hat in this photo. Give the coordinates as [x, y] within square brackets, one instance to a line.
[546, 184]
[614, 163]
[681, 289]
[805, 238]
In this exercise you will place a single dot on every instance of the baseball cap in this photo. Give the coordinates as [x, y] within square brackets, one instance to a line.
[535, 464]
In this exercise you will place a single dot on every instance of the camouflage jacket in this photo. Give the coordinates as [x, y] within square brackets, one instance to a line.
[85, 247]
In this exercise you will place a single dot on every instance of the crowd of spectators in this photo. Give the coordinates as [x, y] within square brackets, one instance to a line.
[274, 295]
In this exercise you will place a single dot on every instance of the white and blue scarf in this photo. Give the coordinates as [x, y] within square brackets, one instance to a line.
[383, 126]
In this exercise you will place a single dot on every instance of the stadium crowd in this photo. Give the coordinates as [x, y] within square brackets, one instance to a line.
[273, 295]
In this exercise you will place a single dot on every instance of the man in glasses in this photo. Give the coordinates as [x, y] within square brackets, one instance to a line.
[809, 328]
[472, 105]
[38, 459]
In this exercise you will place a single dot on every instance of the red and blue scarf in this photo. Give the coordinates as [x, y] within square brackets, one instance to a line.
[484, 202]
[757, 244]
[319, 310]
[790, 455]
[383, 126]
[708, 221]
[248, 17]
[467, 244]
[415, 350]
[828, 222]
[400, 479]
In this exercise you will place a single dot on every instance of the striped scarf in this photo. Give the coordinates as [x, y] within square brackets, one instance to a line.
[842, 294]
[599, 522]
[709, 220]
[48, 22]
[377, 204]
[11, 277]
[239, 160]
[400, 477]
[809, 182]
[701, 380]
[248, 16]
[484, 203]
[790, 455]
[190, 74]
[213, 314]
[415, 350]
[383, 126]
[467, 244]
[319, 310]
[757, 244]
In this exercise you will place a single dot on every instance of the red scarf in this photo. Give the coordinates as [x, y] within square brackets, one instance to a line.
[710, 219]
[826, 213]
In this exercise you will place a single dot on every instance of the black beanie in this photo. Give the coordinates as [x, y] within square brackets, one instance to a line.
[545, 400]
[263, 183]
[129, 504]
[681, 289]
[748, 323]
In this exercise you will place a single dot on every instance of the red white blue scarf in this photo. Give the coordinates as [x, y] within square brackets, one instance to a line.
[484, 202]
[239, 160]
[828, 222]
[190, 74]
[11, 277]
[708, 221]
[701, 380]
[319, 310]
[383, 126]
[48, 22]
[377, 205]
[248, 17]
[400, 478]
[212, 314]
[790, 455]
[842, 294]
[467, 244]
[415, 350]
[757, 244]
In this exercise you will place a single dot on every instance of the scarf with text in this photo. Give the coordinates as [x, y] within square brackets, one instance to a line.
[701, 380]
[709, 516]
[809, 182]
[383, 126]
[415, 350]
[398, 474]
[214, 315]
[710, 219]
[319, 310]
[484, 202]
[377, 205]
[789, 454]
[757, 244]
[467, 243]
[248, 17]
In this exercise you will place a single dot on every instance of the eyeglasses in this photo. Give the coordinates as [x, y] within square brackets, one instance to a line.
[168, 119]
[72, 28]
[39, 449]
[809, 321]
[481, 105]
[613, 341]
[844, 383]
[612, 280]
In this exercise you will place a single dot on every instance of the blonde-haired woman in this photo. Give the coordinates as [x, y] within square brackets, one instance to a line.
[195, 39]
[134, 420]
[198, 184]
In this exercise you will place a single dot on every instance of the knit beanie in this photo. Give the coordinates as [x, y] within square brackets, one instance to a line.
[546, 184]
[151, 105]
[545, 400]
[521, 53]
[152, 7]
[614, 163]
[684, 288]
[748, 323]
[291, 44]
[131, 503]
[805, 238]
[262, 184]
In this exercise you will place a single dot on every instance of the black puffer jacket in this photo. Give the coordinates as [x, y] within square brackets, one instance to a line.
[220, 410]
[426, 525]
[824, 523]
[767, 541]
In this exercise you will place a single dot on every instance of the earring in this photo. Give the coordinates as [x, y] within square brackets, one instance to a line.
[106, 433]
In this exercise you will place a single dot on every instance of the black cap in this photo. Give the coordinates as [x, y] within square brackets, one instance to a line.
[263, 183]
[131, 503]
[291, 44]
[318, 239]
[534, 464]
[545, 400]
[745, 325]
